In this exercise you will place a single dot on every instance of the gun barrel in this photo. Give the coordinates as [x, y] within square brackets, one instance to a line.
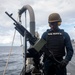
[10, 15]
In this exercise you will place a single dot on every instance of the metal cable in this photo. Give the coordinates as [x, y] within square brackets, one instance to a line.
[22, 72]
[25, 20]
[19, 20]
[9, 53]
[54, 57]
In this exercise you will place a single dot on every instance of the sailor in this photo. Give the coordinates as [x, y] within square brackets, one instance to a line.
[55, 44]
[57, 40]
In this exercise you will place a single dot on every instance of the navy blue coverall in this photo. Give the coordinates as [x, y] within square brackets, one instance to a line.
[49, 67]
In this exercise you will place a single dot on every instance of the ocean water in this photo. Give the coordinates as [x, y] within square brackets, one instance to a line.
[15, 64]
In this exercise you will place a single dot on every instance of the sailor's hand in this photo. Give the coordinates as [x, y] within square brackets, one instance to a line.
[63, 63]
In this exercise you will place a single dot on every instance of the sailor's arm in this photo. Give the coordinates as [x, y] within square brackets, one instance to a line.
[69, 48]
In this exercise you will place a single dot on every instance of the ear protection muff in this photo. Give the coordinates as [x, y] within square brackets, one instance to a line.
[49, 25]
[59, 23]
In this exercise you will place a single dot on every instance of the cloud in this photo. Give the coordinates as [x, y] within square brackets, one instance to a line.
[6, 38]
[42, 9]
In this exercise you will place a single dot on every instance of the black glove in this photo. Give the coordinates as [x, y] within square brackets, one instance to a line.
[33, 52]
[63, 63]
[36, 62]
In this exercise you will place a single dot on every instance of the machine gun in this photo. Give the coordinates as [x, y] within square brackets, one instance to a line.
[32, 39]
[22, 30]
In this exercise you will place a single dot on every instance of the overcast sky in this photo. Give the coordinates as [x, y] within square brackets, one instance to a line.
[42, 9]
